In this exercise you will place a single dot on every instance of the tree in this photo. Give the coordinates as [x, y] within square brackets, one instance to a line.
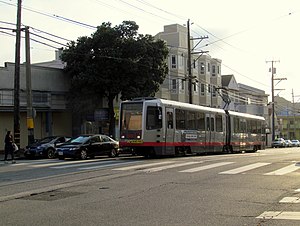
[114, 61]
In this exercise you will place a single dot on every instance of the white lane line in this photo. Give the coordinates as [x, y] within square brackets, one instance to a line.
[277, 215]
[64, 163]
[245, 168]
[284, 170]
[81, 164]
[297, 190]
[141, 166]
[106, 165]
[156, 169]
[290, 200]
[205, 167]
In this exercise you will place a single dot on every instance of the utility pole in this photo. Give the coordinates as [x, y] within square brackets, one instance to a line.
[273, 72]
[30, 123]
[189, 61]
[17, 77]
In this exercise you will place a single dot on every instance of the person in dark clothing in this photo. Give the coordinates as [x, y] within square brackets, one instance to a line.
[9, 148]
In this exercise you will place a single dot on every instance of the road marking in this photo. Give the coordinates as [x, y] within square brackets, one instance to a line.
[290, 200]
[245, 168]
[151, 170]
[65, 163]
[81, 164]
[284, 170]
[277, 215]
[141, 166]
[106, 165]
[205, 167]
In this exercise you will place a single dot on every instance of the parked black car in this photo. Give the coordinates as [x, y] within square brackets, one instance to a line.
[85, 146]
[45, 147]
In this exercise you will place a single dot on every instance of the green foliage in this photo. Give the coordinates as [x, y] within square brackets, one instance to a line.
[114, 61]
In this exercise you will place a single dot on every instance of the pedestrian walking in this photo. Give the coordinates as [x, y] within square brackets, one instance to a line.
[9, 147]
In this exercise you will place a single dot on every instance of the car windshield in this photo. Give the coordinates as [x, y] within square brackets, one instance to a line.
[79, 140]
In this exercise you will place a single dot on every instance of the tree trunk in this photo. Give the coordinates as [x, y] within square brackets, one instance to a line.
[111, 113]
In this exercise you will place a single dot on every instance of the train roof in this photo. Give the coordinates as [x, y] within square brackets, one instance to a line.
[193, 106]
[178, 104]
[246, 115]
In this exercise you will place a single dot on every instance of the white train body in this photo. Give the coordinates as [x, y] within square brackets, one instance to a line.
[153, 126]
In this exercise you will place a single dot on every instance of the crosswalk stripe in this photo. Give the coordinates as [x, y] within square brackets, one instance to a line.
[141, 166]
[290, 200]
[105, 165]
[284, 170]
[280, 215]
[192, 170]
[81, 164]
[245, 168]
[64, 163]
[151, 170]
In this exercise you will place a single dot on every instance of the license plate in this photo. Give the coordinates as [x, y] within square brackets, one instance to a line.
[60, 153]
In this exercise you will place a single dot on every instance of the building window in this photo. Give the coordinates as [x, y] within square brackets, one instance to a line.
[173, 84]
[182, 85]
[180, 61]
[213, 91]
[202, 68]
[173, 61]
[195, 87]
[208, 67]
[202, 89]
[218, 69]
[40, 98]
[213, 69]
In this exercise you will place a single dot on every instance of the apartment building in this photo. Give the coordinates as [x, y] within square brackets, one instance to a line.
[206, 71]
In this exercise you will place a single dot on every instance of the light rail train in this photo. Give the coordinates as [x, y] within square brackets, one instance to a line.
[158, 127]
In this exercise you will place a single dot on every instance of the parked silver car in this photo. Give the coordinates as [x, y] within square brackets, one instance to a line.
[278, 143]
[296, 143]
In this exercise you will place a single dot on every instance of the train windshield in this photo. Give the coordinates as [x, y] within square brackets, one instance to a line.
[131, 120]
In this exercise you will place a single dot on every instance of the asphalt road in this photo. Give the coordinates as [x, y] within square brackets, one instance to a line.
[235, 189]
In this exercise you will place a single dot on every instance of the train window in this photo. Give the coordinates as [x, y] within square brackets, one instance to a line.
[243, 127]
[200, 121]
[212, 124]
[207, 124]
[153, 118]
[219, 123]
[131, 116]
[180, 119]
[236, 125]
[170, 120]
[191, 120]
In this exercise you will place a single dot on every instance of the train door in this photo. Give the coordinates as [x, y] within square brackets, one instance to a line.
[210, 134]
[170, 131]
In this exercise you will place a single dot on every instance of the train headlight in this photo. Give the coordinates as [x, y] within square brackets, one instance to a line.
[122, 136]
[138, 137]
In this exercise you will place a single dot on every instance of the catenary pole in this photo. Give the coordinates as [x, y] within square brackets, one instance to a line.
[17, 77]
[30, 122]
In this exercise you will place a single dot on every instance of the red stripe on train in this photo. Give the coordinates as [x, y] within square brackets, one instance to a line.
[160, 144]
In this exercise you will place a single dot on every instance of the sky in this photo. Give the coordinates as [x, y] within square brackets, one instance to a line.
[245, 34]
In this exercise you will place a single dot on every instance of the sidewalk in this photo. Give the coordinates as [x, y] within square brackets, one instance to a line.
[18, 155]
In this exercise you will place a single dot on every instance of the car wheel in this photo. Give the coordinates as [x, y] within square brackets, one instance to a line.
[83, 154]
[113, 153]
[50, 153]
